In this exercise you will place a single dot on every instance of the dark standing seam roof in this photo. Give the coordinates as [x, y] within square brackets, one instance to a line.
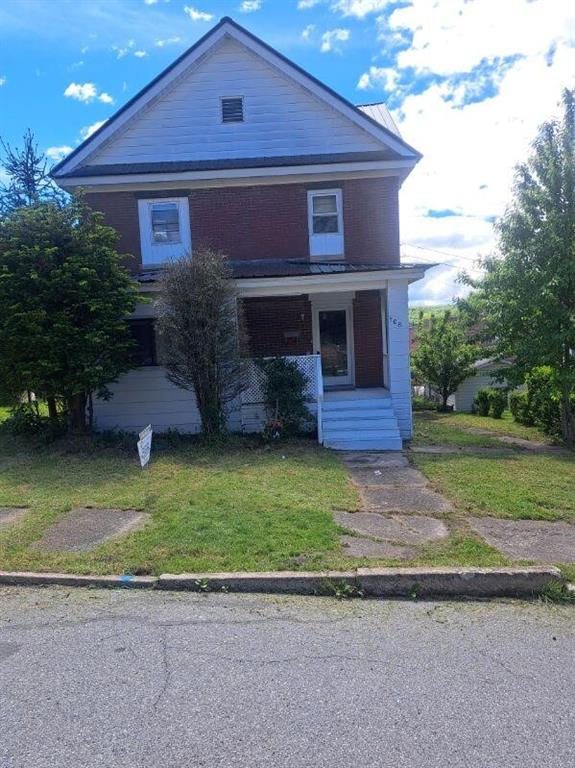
[260, 268]
[178, 166]
[228, 20]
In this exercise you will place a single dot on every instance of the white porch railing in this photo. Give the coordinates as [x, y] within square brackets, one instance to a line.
[309, 365]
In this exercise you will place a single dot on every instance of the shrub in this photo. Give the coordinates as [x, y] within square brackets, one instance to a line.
[544, 399]
[519, 406]
[482, 401]
[25, 420]
[497, 402]
[420, 403]
[284, 391]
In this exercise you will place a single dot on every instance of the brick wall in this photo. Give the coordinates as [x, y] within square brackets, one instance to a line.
[120, 211]
[278, 326]
[270, 222]
[368, 339]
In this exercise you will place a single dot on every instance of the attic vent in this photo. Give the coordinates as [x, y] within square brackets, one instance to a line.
[233, 110]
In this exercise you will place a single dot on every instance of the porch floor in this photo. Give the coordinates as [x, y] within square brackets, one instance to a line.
[367, 393]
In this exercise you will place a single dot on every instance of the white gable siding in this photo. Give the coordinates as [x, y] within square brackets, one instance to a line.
[281, 117]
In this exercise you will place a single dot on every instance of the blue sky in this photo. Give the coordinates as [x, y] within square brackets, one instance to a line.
[468, 82]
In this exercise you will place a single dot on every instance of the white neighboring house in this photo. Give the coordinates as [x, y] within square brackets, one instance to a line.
[485, 371]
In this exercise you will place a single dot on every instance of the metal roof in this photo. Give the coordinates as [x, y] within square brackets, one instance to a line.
[256, 268]
[381, 114]
[179, 166]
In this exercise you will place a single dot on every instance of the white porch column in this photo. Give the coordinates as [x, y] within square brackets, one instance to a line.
[398, 354]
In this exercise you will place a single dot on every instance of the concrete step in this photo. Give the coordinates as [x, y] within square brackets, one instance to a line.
[375, 404]
[347, 421]
[361, 444]
[352, 434]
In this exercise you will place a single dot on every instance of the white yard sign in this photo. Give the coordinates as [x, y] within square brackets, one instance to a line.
[145, 445]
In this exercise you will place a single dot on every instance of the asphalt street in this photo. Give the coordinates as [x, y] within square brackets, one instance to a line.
[117, 678]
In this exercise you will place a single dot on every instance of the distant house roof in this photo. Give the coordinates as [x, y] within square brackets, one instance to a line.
[260, 268]
[381, 114]
[488, 362]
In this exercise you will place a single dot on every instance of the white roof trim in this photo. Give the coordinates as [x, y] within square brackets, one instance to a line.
[226, 28]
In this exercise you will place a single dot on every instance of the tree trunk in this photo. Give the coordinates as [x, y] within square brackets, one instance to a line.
[52, 410]
[77, 412]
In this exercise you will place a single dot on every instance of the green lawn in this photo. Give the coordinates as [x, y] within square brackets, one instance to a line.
[240, 506]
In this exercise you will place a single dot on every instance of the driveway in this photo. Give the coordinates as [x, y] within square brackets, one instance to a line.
[123, 679]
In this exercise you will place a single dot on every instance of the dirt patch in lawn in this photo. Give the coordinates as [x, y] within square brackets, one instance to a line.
[9, 515]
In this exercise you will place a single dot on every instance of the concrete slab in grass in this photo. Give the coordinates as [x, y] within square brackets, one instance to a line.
[405, 499]
[538, 540]
[9, 515]
[88, 527]
[404, 529]
[361, 459]
[354, 546]
[376, 476]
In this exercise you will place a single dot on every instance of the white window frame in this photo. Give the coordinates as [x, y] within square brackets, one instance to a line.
[325, 246]
[232, 122]
[156, 254]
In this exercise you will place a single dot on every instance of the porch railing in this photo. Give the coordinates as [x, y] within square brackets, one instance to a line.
[309, 365]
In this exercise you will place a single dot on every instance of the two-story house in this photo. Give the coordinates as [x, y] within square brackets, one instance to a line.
[236, 147]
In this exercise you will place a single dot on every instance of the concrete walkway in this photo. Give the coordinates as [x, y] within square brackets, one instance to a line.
[399, 510]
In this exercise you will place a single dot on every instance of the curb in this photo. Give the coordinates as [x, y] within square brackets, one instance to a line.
[371, 582]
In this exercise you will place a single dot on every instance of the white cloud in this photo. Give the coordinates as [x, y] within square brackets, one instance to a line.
[361, 8]
[85, 92]
[105, 98]
[483, 94]
[57, 153]
[196, 15]
[331, 38]
[168, 41]
[120, 52]
[150, 2]
[2, 81]
[308, 31]
[88, 130]
[140, 54]
[248, 6]
[303, 5]
[383, 77]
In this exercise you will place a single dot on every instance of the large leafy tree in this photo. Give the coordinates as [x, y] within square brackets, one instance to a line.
[527, 295]
[64, 300]
[28, 175]
[200, 324]
[444, 357]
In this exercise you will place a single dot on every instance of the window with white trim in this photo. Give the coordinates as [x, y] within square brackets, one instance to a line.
[325, 223]
[164, 229]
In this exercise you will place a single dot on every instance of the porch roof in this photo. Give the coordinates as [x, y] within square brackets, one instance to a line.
[266, 268]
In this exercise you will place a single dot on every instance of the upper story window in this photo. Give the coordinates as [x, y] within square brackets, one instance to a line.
[233, 109]
[164, 230]
[325, 223]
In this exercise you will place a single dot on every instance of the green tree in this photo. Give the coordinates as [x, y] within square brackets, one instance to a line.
[200, 325]
[444, 357]
[527, 293]
[29, 180]
[64, 300]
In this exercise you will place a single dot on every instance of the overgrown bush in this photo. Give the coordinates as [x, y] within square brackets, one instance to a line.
[284, 392]
[519, 406]
[482, 402]
[420, 403]
[497, 402]
[26, 420]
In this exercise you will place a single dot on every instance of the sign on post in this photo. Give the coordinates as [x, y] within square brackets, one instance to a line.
[145, 445]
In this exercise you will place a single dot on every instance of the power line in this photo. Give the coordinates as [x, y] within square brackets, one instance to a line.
[442, 253]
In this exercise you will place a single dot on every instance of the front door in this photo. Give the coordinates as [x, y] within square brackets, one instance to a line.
[333, 340]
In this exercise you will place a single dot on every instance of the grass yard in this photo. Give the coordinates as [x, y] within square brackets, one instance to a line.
[240, 507]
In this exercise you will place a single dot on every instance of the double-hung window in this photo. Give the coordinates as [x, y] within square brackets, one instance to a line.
[164, 230]
[325, 223]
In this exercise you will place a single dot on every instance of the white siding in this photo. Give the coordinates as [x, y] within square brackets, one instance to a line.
[398, 351]
[281, 117]
[465, 394]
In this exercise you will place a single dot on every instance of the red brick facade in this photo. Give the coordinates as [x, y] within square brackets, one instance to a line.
[270, 222]
[278, 326]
